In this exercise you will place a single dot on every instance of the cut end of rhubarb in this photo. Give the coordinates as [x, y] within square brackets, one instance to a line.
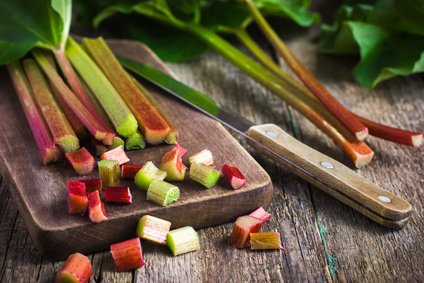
[146, 175]
[243, 226]
[162, 193]
[81, 160]
[417, 140]
[109, 172]
[117, 154]
[362, 135]
[68, 143]
[261, 214]
[129, 126]
[172, 137]
[363, 160]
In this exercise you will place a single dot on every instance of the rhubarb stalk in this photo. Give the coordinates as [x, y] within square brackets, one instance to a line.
[153, 229]
[338, 110]
[81, 160]
[153, 127]
[77, 268]
[182, 240]
[48, 150]
[127, 254]
[116, 109]
[61, 129]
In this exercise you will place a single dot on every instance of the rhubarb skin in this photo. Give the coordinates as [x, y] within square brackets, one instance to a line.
[77, 268]
[96, 208]
[92, 185]
[128, 171]
[59, 125]
[81, 160]
[117, 154]
[127, 254]
[118, 194]
[109, 172]
[47, 148]
[261, 214]
[233, 176]
[77, 198]
[153, 229]
[243, 226]
[173, 165]
[151, 124]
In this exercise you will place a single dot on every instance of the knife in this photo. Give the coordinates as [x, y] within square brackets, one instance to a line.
[318, 169]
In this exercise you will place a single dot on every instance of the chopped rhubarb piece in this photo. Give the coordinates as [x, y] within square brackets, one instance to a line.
[135, 141]
[117, 154]
[77, 268]
[96, 208]
[98, 146]
[153, 127]
[173, 165]
[59, 125]
[234, 176]
[204, 175]
[182, 240]
[49, 152]
[204, 156]
[162, 193]
[109, 172]
[261, 214]
[81, 160]
[153, 229]
[243, 226]
[146, 175]
[116, 109]
[117, 141]
[128, 171]
[118, 194]
[77, 198]
[92, 185]
[127, 254]
[265, 241]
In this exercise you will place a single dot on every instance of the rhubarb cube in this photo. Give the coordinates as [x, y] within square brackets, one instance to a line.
[109, 172]
[77, 198]
[117, 154]
[243, 226]
[162, 193]
[81, 160]
[118, 194]
[146, 175]
[204, 174]
[77, 268]
[234, 176]
[173, 165]
[153, 229]
[92, 185]
[204, 156]
[96, 208]
[182, 240]
[127, 254]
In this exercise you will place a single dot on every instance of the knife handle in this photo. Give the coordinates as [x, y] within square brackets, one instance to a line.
[332, 177]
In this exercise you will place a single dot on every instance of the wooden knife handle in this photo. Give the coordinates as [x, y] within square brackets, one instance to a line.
[332, 177]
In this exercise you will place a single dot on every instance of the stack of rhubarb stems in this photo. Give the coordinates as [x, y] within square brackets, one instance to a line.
[92, 96]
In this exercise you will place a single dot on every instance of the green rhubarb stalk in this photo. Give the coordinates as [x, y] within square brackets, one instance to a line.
[338, 110]
[183, 240]
[147, 174]
[116, 109]
[162, 193]
[49, 152]
[61, 129]
[375, 129]
[172, 137]
[80, 90]
[356, 150]
[204, 174]
[135, 141]
[153, 229]
[76, 105]
[151, 124]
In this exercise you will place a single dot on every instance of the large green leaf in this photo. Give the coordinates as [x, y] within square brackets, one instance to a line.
[27, 23]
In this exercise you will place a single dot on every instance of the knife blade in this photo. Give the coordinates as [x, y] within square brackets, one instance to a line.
[318, 169]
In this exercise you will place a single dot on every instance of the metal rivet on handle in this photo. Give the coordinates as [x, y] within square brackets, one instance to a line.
[384, 199]
[327, 165]
[272, 134]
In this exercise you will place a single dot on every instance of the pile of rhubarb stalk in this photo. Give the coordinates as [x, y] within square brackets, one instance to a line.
[90, 96]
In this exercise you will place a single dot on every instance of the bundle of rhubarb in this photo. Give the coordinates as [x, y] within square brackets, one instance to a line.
[90, 96]
[202, 23]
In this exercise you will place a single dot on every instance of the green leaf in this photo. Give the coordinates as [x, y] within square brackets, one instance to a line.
[27, 23]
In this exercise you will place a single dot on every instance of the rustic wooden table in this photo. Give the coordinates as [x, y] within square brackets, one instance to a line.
[323, 239]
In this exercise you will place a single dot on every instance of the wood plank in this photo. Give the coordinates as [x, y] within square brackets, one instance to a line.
[40, 191]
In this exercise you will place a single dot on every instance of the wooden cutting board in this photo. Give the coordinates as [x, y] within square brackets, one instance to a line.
[40, 192]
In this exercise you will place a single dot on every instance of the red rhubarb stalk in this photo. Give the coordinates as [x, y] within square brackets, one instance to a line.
[151, 124]
[77, 198]
[81, 160]
[77, 268]
[118, 194]
[127, 254]
[243, 226]
[96, 208]
[338, 110]
[49, 152]
[62, 131]
[92, 185]
[261, 214]
[117, 154]
[128, 171]
[76, 105]
[233, 176]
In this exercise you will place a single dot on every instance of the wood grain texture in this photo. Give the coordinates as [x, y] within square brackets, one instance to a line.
[40, 192]
[324, 240]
